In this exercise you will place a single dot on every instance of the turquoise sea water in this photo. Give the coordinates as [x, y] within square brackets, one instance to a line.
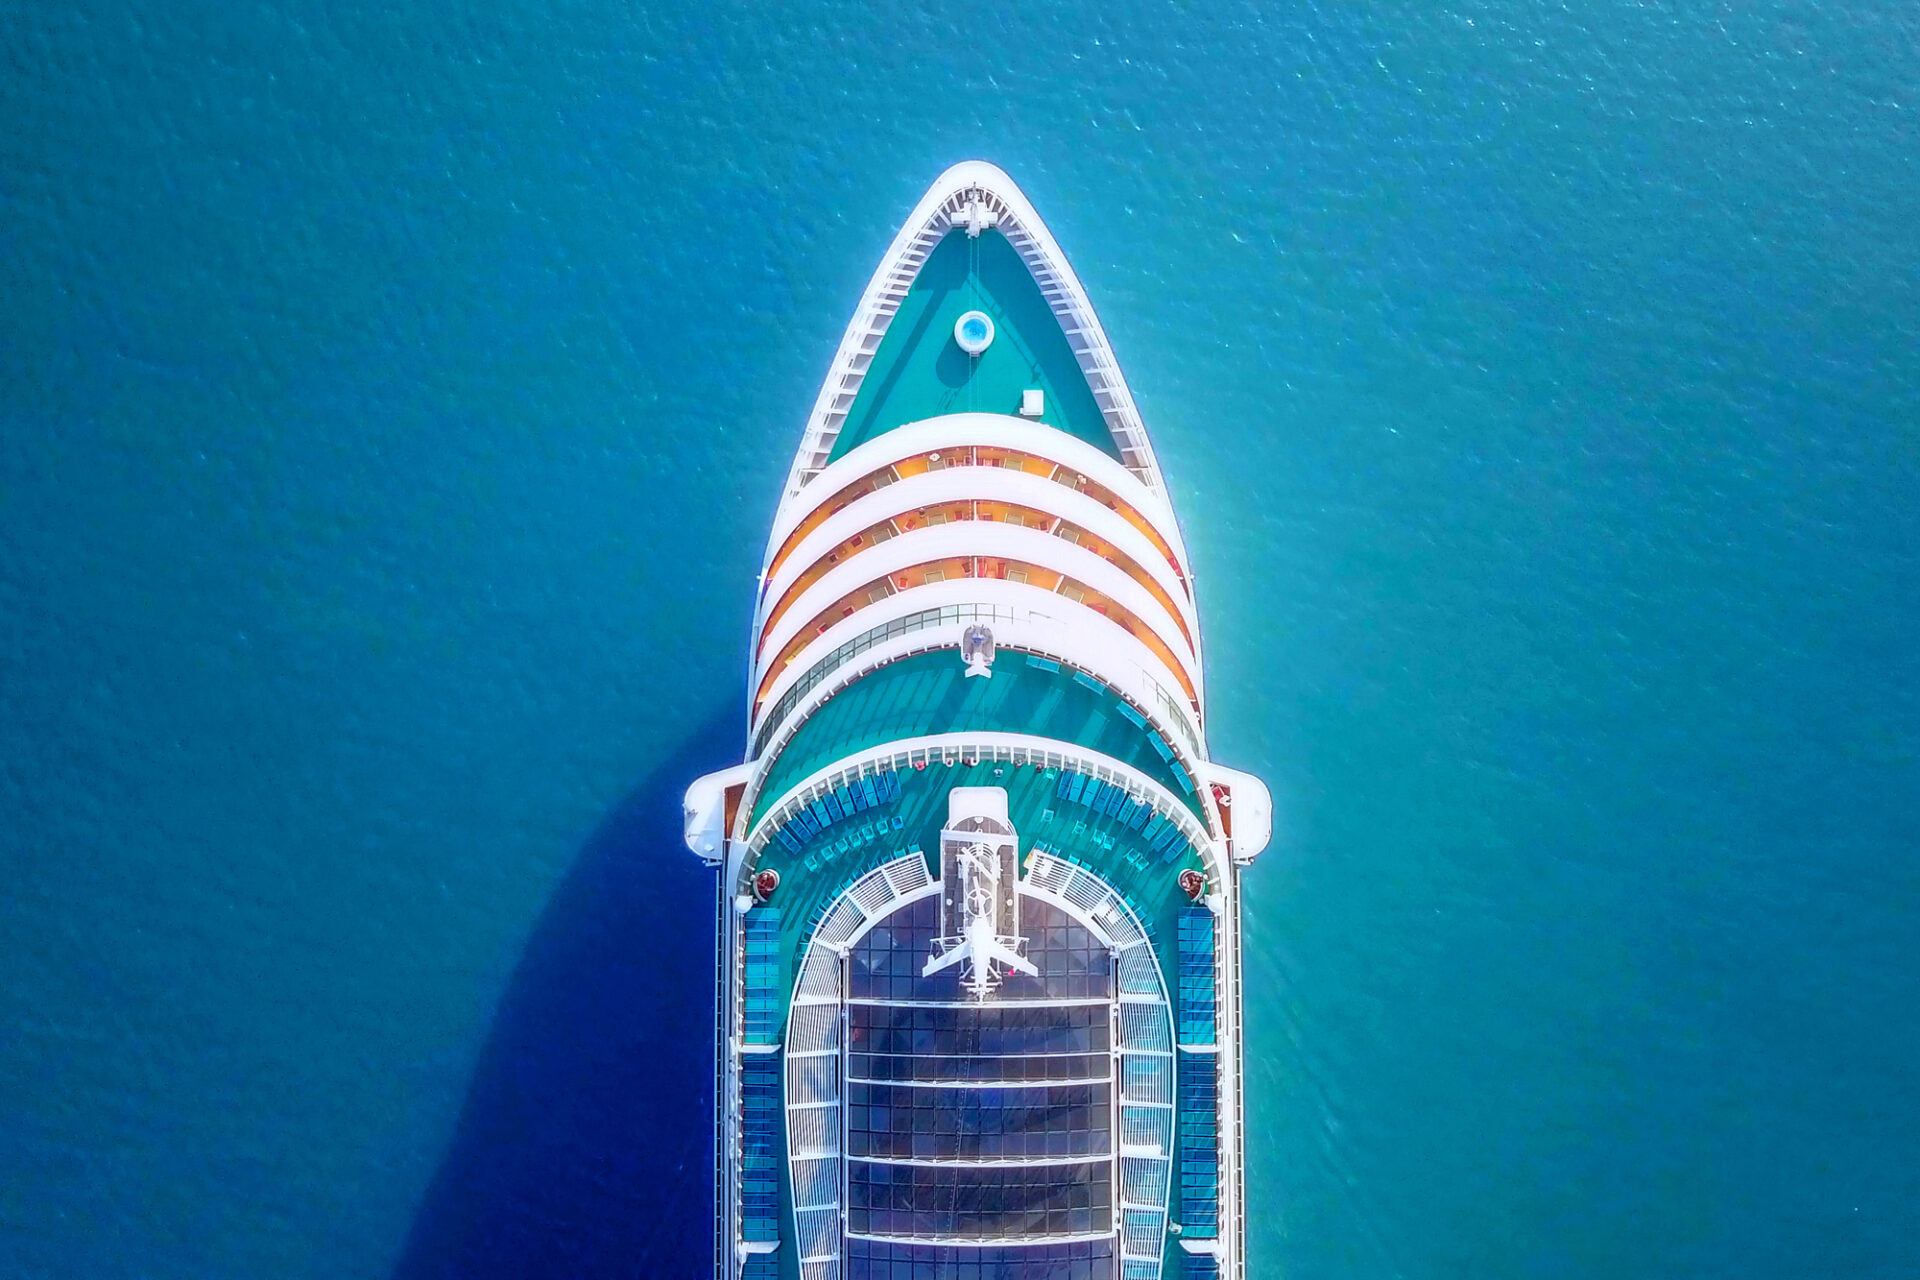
[392, 403]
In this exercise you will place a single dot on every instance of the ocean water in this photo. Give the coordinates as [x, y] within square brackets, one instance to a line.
[392, 402]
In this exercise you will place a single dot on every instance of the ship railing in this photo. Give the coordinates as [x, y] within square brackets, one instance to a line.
[990, 748]
[723, 1163]
[1163, 705]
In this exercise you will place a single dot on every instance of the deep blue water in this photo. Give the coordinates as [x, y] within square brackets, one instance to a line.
[392, 402]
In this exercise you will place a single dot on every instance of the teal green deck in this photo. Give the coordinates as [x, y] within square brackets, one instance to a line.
[920, 372]
[929, 693]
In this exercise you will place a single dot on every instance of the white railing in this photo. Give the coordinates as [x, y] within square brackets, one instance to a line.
[1147, 696]
[968, 430]
[957, 748]
[853, 582]
[1069, 512]
[1028, 618]
[725, 1171]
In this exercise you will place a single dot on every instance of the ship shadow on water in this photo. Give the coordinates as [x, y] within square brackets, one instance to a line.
[585, 1145]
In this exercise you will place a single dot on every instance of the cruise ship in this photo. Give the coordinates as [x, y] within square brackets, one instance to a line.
[978, 968]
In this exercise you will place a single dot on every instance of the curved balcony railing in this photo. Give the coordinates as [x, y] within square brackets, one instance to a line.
[1166, 708]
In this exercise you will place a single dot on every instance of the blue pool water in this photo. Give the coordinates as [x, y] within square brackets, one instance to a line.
[392, 402]
[975, 332]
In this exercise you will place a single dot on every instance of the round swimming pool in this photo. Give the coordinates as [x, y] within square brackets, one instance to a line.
[974, 332]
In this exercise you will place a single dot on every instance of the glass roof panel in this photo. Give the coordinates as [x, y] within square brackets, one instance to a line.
[1019, 1142]
[904, 1260]
[1028, 1123]
[981, 1201]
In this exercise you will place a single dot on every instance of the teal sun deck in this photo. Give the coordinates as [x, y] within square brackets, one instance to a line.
[929, 693]
[919, 372]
